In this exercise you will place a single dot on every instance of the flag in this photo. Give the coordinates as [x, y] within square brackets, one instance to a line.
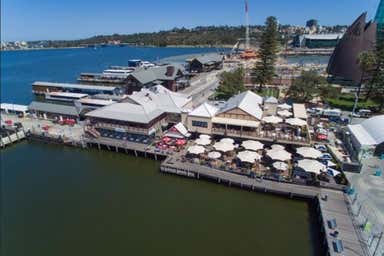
[246, 6]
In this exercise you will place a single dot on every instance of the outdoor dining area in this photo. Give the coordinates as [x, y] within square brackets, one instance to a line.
[250, 157]
[258, 160]
[171, 144]
[283, 126]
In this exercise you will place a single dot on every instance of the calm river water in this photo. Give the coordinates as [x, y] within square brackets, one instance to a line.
[64, 201]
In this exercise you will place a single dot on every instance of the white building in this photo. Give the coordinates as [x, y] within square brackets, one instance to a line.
[367, 138]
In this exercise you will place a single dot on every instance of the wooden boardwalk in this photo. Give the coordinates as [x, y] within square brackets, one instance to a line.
[334, 207]
[127, 146]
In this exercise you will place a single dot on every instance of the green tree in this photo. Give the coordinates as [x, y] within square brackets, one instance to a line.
[308, 85]
[367, 63]
[231, 83]
[264, 70]
[377, 81]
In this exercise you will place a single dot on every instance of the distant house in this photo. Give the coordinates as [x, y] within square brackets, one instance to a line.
[172, 77]
[205, 63]
[317, 40]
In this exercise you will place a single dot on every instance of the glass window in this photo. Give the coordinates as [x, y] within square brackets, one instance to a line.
[199, 124]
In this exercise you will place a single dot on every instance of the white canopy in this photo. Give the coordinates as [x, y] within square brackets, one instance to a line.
[203, 142]
[272, 119]
[296, 121]
[310, 165]
[204, 136]
[223, 147]
[214, 155]
[309, 152]
[284, 113]
[284, 106]
[196, 150]
[279, 154]
[280, 166]
[252, 145]
[277, 147]
[248, 156]
[227, 140]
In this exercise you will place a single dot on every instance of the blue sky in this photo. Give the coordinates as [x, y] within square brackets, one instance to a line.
[73, 19]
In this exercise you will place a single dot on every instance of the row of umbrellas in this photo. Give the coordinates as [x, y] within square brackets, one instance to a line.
[277, 153]
[292, 121]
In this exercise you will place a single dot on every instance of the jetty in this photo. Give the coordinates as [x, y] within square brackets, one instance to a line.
[8, 137]
[340, 236]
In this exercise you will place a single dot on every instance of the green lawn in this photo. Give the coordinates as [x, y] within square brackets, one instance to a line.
[346, 102]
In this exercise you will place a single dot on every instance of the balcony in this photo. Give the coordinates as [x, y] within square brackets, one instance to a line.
[128, 129]
[270, 136]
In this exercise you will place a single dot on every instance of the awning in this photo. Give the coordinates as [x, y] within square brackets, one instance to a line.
[299, 111]
[236, 122]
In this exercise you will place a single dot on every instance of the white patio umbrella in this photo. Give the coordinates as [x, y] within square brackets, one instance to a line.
[310, 165]
[280, 166]
[204, 136]
[295, 121]
[214, 155]
[277, 147]
[279, 154]
[252, 145]
[284, 113]
[272, 119]
[284, 106]
[227, 140]
[223, 147]
[248, 156]
[196, 150]
[309, 152]
[203, 141]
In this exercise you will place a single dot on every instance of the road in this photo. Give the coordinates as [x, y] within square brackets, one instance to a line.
[202, 88]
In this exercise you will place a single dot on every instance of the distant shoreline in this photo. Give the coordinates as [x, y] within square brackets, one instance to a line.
[142, 46]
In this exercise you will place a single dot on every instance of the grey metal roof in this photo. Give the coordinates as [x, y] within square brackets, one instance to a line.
[53, 108]
[247, 101]
[129, 112]
[209, 58]
[145, 76]
[164, 99]
[75, 86]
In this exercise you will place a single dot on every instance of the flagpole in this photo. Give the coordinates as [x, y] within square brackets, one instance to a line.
[246, 25]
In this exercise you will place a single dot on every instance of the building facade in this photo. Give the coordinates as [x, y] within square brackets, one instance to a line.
[379, 19]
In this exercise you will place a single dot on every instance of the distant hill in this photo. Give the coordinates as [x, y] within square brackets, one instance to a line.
[198, 36]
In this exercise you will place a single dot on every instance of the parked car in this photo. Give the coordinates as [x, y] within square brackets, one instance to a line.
[321, 147]
[326, 156]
